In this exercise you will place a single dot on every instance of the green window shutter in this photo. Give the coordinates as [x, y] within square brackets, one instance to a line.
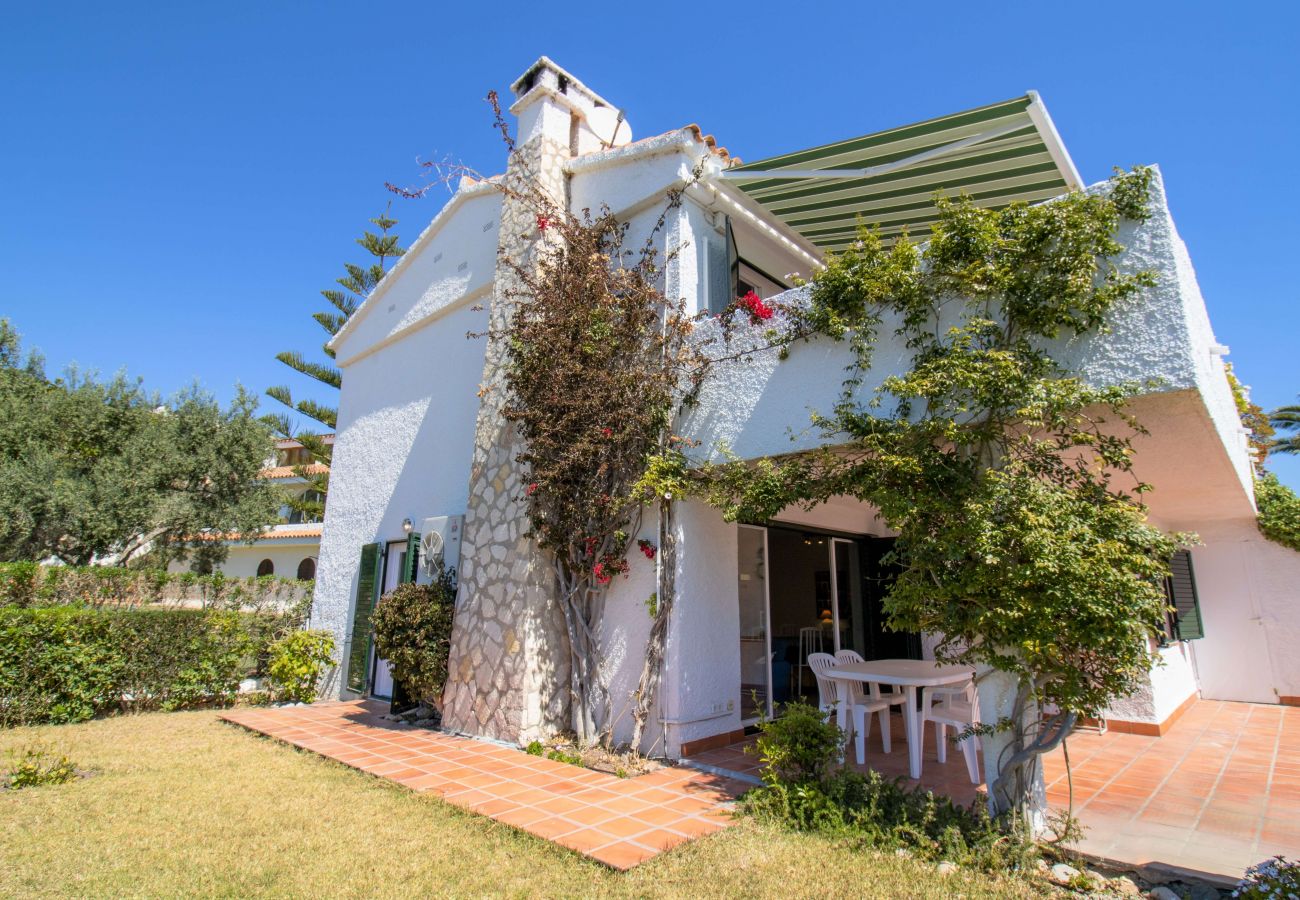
[1182, 596]
[367, 593]
[411, 561]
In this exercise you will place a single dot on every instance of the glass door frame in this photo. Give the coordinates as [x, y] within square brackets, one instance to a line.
[767, 633]
[835, 590]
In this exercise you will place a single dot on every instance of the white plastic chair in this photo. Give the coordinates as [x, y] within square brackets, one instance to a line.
[810, 641]
[959, 709]
[870, 695]
[829, 690]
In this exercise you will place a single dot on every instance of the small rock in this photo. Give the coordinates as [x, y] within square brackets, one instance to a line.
[1124, 885]
[946, 867]
[1064, 873]
[1204, 892]
[1160, 892]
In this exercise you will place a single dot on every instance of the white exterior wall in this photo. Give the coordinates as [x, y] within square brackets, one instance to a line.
[244, 559]
[1249, 592]
[699, 695]
[405, 431]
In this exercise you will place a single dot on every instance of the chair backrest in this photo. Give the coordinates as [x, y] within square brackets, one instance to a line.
[810, 641]
[849, 656]
[828, 688]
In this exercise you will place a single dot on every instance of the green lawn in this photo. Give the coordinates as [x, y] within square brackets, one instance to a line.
[183, 804]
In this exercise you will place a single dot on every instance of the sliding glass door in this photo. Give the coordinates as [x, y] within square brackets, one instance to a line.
[801, 592]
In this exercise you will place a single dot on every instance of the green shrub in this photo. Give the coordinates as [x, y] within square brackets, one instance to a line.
[412, 627]
[800, 747]
[68, 663]
[1279, 511]
[806, 788]
[297, 661]
[37, 766]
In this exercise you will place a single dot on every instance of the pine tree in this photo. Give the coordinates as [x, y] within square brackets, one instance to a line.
[353, 289]
[1286, 418]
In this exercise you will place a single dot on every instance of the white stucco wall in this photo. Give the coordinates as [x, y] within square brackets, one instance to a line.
[702, 667]
[454, 257]
[404, 438]
[1249, 592]
[244, 559]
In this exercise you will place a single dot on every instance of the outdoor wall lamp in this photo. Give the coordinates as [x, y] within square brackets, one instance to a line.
[407, 525]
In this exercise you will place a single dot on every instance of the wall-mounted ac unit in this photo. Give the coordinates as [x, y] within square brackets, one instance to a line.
[440, 543]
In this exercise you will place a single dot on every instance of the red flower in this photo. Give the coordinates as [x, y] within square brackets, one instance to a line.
[607, 431]
[602, 577]
[757, 309]
[532, 489]
[647, 548]
[543, 222]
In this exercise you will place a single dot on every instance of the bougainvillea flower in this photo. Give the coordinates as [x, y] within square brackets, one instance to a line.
[543, 222]
[757, 309]
[647, 548]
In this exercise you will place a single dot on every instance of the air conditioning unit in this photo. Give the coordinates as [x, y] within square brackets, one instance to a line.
[440, 543]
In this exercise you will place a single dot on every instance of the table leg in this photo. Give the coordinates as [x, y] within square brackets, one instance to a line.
[841, 718]
[910, 721]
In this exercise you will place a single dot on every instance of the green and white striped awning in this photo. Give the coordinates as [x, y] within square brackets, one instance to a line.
[995, 154]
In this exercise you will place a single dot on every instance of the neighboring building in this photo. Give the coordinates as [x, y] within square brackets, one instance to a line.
[291, 548]
[417, 437]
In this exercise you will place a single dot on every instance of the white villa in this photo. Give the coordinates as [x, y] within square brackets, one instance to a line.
[291, 548]
[419, 450]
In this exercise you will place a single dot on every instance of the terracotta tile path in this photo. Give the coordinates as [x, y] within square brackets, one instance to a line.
[1217, 793]
[619, 821]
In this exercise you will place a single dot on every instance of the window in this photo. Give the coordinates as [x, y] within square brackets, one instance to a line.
[306, 517]
[750, 279]
[307, 569]
[265, 567]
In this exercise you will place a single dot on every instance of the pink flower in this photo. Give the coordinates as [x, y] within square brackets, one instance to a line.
[647, 548]
[532, 489]
[602, 577]
[543, 222]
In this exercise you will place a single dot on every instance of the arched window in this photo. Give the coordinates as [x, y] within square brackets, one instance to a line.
[307, 569]
[265, 567]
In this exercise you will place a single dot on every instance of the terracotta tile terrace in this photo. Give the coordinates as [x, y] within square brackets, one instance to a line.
[1217, 793]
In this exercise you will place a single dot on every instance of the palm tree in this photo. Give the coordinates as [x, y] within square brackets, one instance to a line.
[1286, 418]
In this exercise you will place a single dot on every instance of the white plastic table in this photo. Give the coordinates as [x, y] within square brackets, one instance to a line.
[909, 674]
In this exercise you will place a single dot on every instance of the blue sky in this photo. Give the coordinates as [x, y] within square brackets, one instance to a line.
[181, 179]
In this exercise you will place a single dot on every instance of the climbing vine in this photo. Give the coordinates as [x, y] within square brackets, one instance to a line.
[1021, 531]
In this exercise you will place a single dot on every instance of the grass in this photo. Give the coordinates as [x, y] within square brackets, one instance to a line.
[183, 804]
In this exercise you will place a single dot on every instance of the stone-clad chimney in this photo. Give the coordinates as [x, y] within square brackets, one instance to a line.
[508, 674]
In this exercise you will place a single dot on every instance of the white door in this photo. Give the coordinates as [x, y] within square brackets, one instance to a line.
[381, 681]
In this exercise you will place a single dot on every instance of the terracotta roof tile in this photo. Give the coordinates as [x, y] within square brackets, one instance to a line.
[290, 471]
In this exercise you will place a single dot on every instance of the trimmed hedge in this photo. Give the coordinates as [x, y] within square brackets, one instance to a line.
[33, 584]
[70, 663]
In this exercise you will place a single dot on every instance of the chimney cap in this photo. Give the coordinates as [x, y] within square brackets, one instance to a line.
[565, 82]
